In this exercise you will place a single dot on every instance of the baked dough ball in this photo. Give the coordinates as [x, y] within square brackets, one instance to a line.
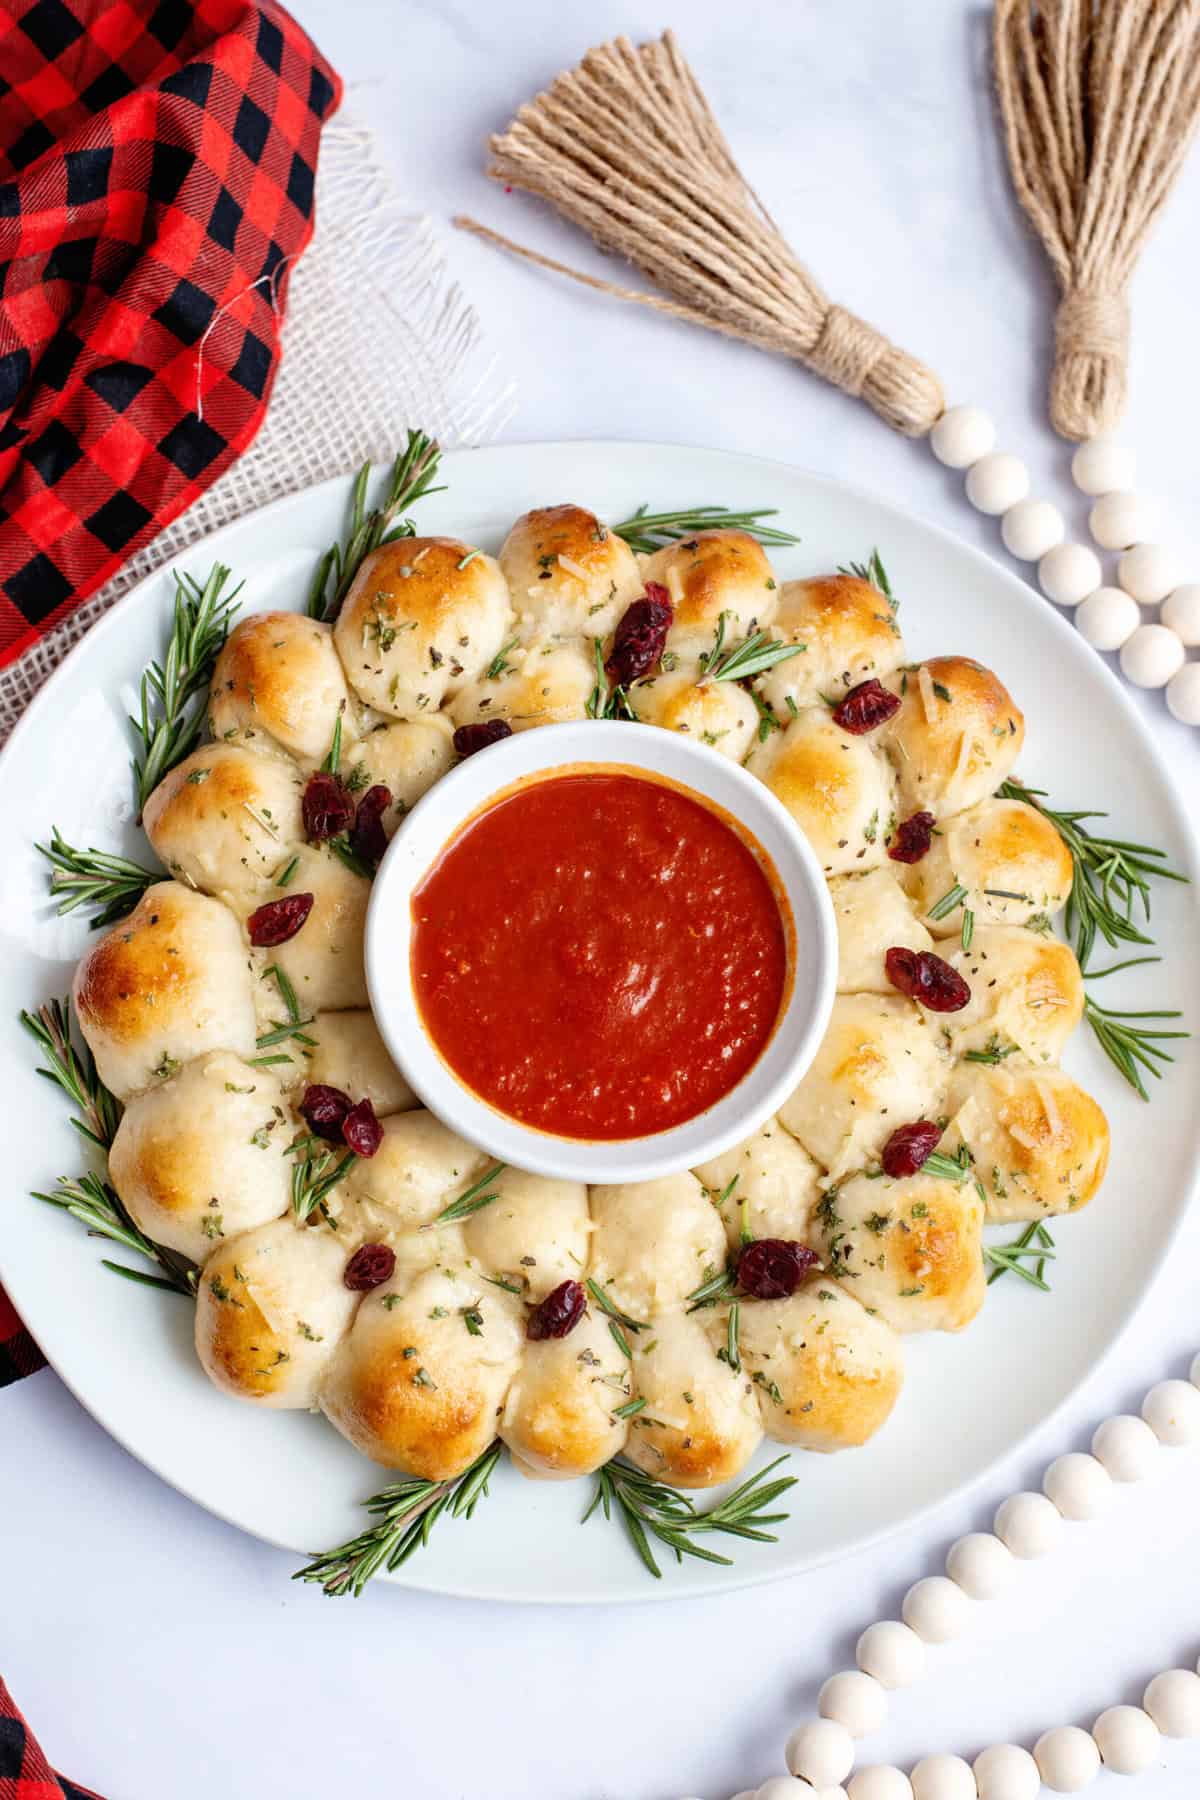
[558, 1418]
[535, 1234]
[718, 713]
[164, 985]
[406, 758]
[873, 913]
[349, 1053]
[769, 1182]
[413, 1386]
[1008, 857]
[204, 1155]
[226, 819]
[278, 685]
[826, 1372]
[715, 572]
[419, 1168]
[324, 961]
[271, 1309]
[423, 616]
[1025, 990]
[700, 1424]
[910, 1249]
[545, 683]
[878, 1066]
[849, 633]
[569, 575]
[1039, 1144]
[654, 1242]
[956, 736]
[838, 788]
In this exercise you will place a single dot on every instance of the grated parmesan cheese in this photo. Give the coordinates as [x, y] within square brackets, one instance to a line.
[572, 567]
[928, 697]
[1045, 1094]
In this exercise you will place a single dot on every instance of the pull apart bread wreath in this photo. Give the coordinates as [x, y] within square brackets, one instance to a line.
[356, 1256]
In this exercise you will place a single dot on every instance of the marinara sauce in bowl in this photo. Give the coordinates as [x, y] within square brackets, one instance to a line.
[601, 952]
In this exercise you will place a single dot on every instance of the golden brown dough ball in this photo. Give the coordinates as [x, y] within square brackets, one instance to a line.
[559, 1418]
[700, 1424]
[568, 574]
[271, 1309]
[912, 1249]
[226, 818]
[838, 788]
[164, 985]
[873, 914]
[1039, 1143]
[956, 736]
[826, 1372]
[544, 683]
[324, 961]
[423, 616]
[769, 1183]
[878, 1066]
[718, 713]
[1008, 857]
[278, 685]
[714, 572]
[413, 1386]
[1026, 990]
[419, 1168]
[535, 1233]
[204, 1155]
[407, 758]
[849, 633]
[654, 1242]
[349, 1054]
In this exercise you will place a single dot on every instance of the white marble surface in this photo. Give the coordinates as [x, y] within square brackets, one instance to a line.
[159, 1653]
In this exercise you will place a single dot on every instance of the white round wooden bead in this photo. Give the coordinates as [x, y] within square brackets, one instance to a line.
[1183, 694]
[1032, 527]
[820, 1752]
[1126, 1446]
[1173, 1701]
[1029, 1524]
[1006, 1772]
[1069, 573]
[1181, 611]
[996, 482]
[1127, 1739]
[1194, 1371]
[1149, 572]
[783, 1787]
[1151, 656]
[1172, 1411]
[1107, 618]
[1067, 1758]
[879, 1781]
[1101, 467]
[980, 1564]
[936, 1608]
[961, 436]
[1079, 1485]
[943, 1778]
[854, 1700]
[1118, 520]
[892, 1653]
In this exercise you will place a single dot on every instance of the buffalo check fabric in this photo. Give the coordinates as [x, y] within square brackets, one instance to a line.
[19, 1355]
[157, 164]
[24, 1772]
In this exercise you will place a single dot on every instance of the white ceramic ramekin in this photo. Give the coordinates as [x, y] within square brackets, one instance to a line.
[468, 788]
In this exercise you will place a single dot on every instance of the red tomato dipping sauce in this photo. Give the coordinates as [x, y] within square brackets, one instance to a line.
[600, 955]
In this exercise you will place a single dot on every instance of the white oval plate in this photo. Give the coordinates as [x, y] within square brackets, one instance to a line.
[126, 1351]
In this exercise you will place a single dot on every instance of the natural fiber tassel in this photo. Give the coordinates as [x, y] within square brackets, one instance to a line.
[626, 146]
[1100, 100]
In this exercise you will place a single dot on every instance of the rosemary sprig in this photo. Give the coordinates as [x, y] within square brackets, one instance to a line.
[650, 1509]
[340, 847]
[1035, 1243]
[315, 1173]
[411, 478]
[1131, 1047]
[647, 531]
[173, 693]
[874, 572]
[292, 1029]
[93, 878]
[993, 1052]
[95, 1203]
[74, 1071]
[609, 1306]
[949, 1168]
[756, 654]
[714, 1290]
[407, 1513]
[941, 909]
[473, 1201]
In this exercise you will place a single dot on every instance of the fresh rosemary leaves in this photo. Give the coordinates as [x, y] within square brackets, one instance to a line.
[173, 693]
[92, 878]
[647, 531]
[650, 1509]
[412, 477]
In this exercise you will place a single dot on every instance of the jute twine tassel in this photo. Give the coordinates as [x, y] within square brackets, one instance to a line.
[1100, 99]
[626, 146]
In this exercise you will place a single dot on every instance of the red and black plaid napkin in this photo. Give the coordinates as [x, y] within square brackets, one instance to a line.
[24, 1772]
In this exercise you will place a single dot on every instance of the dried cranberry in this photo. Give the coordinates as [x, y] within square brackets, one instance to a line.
[558, 1313]
[470, 738]
[327, 807]
[866, 706]
[278, 920]
[369, 1267]
[639, 638]
[324, 1111]
[773, 1268]
[909, 1145]
[913, 838]
[361, 1130]
[368, 839]
[927, 978]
